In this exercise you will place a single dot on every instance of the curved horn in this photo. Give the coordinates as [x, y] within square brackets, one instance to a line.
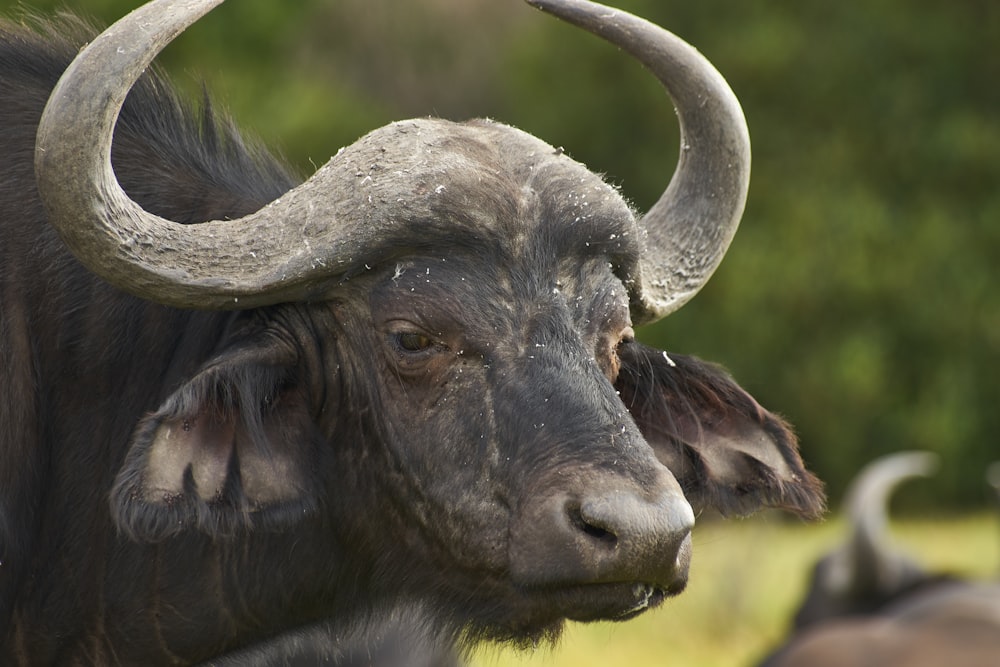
[690, 227]
[993, 477]
[866, 505]
[217, 264]
[865, 571]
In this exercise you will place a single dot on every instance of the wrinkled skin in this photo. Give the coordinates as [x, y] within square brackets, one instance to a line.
[462, 427]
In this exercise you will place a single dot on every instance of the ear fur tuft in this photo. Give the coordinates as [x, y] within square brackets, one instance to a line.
[726, 451]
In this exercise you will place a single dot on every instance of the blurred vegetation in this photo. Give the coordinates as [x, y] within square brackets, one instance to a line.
[859, 298]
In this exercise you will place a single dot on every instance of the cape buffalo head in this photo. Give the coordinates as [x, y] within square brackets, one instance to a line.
[435, 365]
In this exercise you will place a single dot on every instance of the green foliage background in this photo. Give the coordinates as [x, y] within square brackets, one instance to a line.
[860, 296]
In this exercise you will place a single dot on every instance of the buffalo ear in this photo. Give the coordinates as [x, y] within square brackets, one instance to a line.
[726, 451]
[229, 450]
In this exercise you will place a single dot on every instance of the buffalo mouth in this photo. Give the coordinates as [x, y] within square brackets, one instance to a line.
[601, 601]
[613, 602]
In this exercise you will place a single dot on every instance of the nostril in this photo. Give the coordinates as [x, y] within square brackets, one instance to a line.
[590, 527]
[604, 536]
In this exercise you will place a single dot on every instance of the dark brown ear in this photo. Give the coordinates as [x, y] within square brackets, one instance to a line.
[726, 451]
[231, 449]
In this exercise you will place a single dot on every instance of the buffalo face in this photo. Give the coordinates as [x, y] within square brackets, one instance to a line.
[489, 403]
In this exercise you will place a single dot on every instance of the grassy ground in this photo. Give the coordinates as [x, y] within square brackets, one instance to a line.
[746, 579]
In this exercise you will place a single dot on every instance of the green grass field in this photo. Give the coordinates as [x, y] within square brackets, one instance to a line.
[747, 577]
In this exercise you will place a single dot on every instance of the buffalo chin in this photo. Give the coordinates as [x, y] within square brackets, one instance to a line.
[541, 615]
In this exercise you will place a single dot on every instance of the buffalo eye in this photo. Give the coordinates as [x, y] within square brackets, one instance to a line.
[411, 345]
[413, 350]
[412, 341]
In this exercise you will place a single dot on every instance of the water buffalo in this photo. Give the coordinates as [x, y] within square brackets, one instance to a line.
[400, 402]
[870, 604]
